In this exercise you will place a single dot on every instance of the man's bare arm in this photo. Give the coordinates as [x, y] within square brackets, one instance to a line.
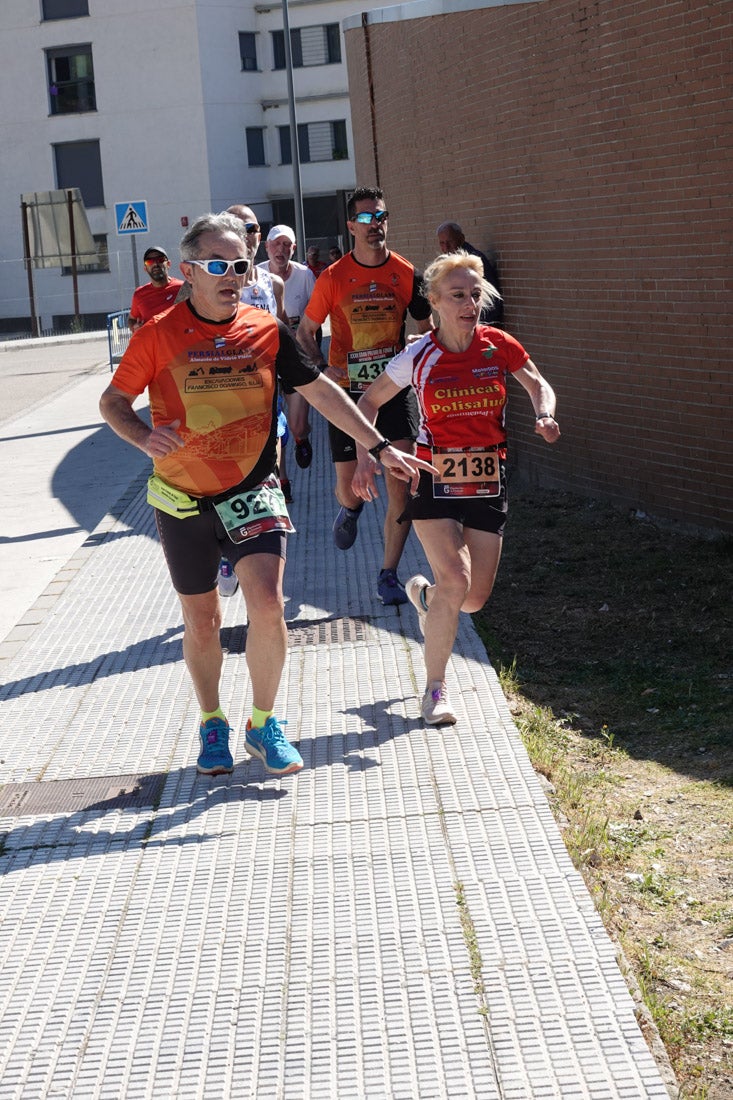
[306, 337]
[116, 408]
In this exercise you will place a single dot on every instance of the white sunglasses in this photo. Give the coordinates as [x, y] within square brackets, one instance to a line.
[222, 267]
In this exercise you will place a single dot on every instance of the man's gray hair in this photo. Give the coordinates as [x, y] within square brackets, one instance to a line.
[210, 223]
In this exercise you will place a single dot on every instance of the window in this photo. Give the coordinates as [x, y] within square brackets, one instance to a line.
[248, 51]
[309, 46]
[317, 141]
[79, 164]
[70, 79]
[278, 49]
[286, 152]
[255, 146]
[101, 263]
[333, 43]
[64, 9]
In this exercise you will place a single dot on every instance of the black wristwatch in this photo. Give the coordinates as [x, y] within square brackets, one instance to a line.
[377, 449]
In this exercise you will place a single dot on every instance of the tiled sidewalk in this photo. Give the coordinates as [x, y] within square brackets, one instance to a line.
[399, 920]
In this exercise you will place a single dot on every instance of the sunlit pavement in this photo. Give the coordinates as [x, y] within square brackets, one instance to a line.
[399, 919]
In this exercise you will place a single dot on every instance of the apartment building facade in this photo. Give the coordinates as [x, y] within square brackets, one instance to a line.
[180, 106]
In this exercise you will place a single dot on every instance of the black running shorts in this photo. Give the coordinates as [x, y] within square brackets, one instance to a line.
[478, 513]
[194, 546]
[397, 419]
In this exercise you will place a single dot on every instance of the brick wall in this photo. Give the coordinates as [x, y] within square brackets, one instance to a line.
[590, 146]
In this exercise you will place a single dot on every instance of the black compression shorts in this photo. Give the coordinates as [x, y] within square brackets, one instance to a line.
[194, 546]
[397, 419]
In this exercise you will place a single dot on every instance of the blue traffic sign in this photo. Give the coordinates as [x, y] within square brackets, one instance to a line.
[131, 217]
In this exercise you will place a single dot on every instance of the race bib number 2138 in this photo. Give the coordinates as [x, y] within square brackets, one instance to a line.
[470, 472]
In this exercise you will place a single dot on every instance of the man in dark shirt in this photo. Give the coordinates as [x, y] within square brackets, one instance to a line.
[450, 239]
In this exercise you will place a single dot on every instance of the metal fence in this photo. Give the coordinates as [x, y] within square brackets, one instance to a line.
[118, 335]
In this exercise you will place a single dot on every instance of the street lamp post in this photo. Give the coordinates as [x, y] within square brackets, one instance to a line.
[294, 148]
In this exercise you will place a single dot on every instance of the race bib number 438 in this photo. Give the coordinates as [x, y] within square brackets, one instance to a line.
[469, 472]
[366, 366]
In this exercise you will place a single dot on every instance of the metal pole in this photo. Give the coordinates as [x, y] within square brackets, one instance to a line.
[295, 151]
[72, 249]
[133, 242]
[35, 325]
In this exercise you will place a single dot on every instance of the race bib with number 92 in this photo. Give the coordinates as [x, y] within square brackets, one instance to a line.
[256, 511]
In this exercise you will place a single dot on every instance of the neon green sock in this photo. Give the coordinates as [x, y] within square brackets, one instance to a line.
[218, 713]
[259, 717]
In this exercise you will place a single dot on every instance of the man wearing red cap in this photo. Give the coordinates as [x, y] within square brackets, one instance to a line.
[159, 294]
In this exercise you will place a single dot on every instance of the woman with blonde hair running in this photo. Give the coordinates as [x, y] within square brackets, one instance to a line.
[458, 373]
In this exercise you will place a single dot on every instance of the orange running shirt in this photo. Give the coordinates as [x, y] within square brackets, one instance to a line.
[367, 307]
[220, 381]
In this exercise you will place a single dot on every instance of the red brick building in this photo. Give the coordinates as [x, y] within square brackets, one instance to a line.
[589, 145]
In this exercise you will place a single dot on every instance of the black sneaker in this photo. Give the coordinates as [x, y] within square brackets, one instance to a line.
[344, 527]
[303, 453]
[389, 589]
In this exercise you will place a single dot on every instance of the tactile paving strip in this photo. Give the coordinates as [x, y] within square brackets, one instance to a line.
[399, 920]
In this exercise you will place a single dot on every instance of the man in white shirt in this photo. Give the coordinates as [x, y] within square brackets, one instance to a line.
[299, 281]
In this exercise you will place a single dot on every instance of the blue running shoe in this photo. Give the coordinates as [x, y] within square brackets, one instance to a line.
[270, 744]
[389, 589]
[344, 527]
[215, 757]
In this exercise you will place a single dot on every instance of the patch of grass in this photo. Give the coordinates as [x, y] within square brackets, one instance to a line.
[470, 939]
[722, 916]
[626, 837]
[612, 638]
[656, 886]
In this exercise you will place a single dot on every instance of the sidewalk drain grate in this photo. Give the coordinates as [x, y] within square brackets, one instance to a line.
[328, 631]
[70, 796]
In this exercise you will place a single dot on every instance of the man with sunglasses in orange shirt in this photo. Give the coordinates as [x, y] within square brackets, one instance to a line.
[211, 366]
[157, 295]
[367, 295]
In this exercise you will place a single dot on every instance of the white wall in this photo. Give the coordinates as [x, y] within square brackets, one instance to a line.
[172, 109]
[149, 122]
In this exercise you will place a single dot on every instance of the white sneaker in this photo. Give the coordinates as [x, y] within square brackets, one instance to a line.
[227, 582]
[436, 708]
[414, 589]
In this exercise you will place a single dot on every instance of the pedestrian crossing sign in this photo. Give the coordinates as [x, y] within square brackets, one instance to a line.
[131, 217]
